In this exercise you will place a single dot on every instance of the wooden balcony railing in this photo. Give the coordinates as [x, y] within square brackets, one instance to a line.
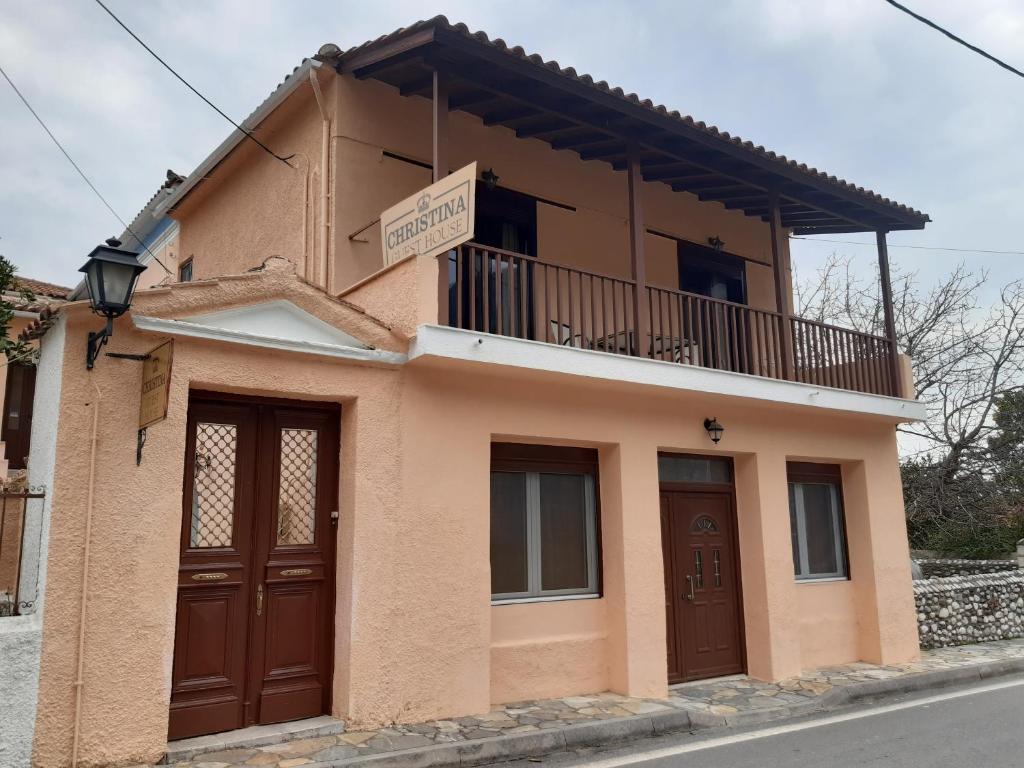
[839, 357]
[506, 293]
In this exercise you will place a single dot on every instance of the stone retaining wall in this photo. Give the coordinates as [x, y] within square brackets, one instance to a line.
[957, 610]
[939, 568]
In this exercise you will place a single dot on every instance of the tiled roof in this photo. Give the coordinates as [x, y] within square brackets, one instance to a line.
[441, 22]
[41, 288]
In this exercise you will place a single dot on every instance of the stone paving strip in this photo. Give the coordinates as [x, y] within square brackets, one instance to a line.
[536, 728]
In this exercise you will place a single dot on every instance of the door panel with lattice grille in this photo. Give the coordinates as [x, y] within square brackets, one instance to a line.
[215, 576]
[255, 594]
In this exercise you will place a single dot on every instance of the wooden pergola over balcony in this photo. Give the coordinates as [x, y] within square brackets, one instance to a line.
[460, 70]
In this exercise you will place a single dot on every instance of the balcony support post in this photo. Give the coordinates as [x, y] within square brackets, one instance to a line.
[440, 166]
[637, 256]
[889, 313]
[782, 285]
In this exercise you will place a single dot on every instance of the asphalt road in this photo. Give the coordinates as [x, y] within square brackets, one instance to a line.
[972, 727]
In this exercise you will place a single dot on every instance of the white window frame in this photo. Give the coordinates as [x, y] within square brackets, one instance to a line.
[838, 529]
[534, 592]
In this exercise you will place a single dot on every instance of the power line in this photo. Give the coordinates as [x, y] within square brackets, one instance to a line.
[915, 247]
[80, 171]
[189, 86]
[953, 37]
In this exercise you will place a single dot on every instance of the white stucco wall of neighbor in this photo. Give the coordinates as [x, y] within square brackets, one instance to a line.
[21, 636]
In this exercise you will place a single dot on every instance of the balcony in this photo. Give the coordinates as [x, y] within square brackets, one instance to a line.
[509, 294]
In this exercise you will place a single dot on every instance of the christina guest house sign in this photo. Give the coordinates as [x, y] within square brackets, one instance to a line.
[432, 221]
[156, 382]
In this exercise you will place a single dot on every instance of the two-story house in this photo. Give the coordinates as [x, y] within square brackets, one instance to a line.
[591, 449]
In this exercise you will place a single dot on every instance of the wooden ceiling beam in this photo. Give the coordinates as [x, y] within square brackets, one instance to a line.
[511, 113]
[468, 98]
[579, 138]
[671, 174]
[420, 86]
[551, 125]
[611, 148]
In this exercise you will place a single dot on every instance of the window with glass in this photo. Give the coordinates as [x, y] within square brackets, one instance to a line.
[185, 271]
[817, 525]
[543, 522]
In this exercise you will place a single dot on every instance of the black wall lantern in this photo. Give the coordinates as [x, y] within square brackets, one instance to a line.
[490, 179]
[110, 276]
[714, 429]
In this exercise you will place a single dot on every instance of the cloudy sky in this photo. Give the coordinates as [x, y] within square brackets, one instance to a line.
[851, 86]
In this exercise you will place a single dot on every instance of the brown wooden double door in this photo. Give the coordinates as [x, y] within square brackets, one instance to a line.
[256, 580]
[703, 603]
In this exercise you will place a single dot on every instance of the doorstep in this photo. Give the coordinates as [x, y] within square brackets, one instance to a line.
[532, 729]
[251, 738]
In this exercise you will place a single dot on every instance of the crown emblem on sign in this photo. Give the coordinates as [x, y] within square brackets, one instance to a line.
[423, 203]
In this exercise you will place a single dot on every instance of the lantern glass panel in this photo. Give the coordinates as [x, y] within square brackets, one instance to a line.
[94, 282]
[118, 280]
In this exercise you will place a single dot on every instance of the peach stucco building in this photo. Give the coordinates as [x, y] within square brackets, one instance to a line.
[411, 491]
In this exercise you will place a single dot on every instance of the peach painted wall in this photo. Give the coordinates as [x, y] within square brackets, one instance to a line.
[137, 519]
[543, 650]
[166, 250]
[828, 623]
[254, 206]
[413, 542]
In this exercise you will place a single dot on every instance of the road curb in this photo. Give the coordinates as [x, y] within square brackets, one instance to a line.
[599, 733]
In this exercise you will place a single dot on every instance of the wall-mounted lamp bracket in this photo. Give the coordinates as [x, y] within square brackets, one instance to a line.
[96, 340]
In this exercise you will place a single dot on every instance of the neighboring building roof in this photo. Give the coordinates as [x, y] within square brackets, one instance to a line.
[42, 289]
[146, 222]
[148, 219]
[38, 327]
[540, 99]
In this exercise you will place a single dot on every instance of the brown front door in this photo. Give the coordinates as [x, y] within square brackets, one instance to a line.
[255, 583]
[702, 592]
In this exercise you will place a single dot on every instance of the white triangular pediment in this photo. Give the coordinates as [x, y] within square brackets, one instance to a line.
[280, 320]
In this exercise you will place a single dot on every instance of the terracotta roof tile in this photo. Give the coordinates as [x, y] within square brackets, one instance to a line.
[42, 289]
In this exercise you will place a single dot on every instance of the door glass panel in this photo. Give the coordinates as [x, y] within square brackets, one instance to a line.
[704, 524]
[508, 533]
[693, 469]
[296, 493]
[213, 485]
[718, 568]
[698, 568]
[563, 532]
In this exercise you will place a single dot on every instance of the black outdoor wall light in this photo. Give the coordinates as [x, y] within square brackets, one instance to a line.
[714, 429]
[111, 273]
[490, 179]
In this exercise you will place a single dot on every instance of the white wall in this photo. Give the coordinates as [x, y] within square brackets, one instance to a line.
[21, 636]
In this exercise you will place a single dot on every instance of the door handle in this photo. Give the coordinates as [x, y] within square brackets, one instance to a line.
[689, 584]
[259, 599]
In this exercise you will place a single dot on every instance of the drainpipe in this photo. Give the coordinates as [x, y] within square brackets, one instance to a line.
[307, 258]
[326, 271]
[79, 683]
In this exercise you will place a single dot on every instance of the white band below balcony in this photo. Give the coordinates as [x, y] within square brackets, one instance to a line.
[434, 341]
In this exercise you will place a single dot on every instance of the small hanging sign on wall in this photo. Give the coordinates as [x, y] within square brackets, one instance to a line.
[156, 384]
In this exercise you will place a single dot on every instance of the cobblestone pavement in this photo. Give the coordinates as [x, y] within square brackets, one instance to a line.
[724, 697]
